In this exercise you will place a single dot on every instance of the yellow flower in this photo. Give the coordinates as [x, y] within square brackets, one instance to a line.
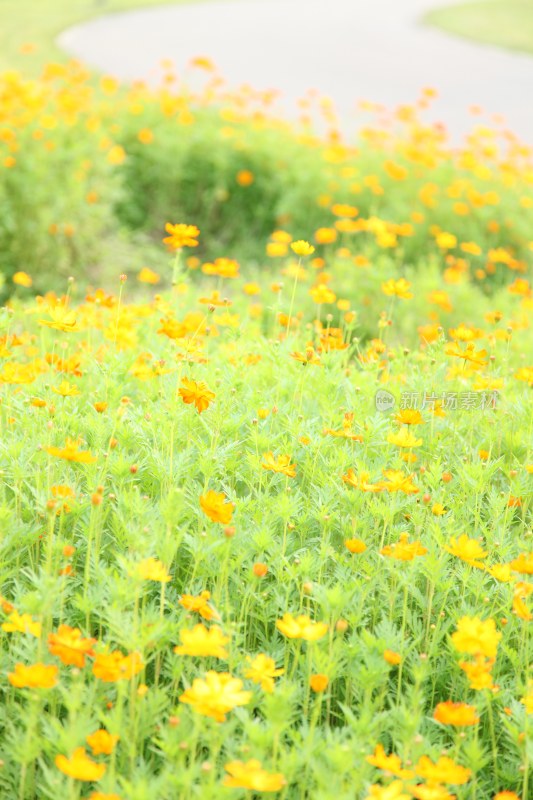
[71, 452]
[301, 627]
[22, 279]
[202, 641]
[468, 550]
[404, 550]
[197, 393]
[502, 572]
[263, 670]
[79, 766]
[181, 236]
[116, 155]
[397, 481]
[216, 507]
[251, 775]
[409, 416]
[322, 294]
[478, 358]
[280, 464]
[404, 438]
[66, 389]
[62, 319]
[325, 235]
[431, 791]
[22, 623]
[399, 288]
[394, 791]
[147, 275]
[478, 672]
[302, 248]
[35, 676]
[153, 570]
[102, 742]
[215, 696]
[476, 637]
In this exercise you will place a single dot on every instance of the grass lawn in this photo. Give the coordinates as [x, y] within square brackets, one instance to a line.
[38, 22]
[506, 23]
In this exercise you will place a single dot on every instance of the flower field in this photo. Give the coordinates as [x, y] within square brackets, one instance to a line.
[266, 463]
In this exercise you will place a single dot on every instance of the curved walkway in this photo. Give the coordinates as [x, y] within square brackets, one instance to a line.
[348, 49]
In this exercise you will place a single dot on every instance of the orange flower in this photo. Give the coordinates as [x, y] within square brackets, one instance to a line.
[522, 591]
[197, 393]
[111, 667]
[391, 764]
[281, 464]
[523, 564]
[79, 766]
[325, 235]
[199, 603]
[319, 683]
[361, 481]
[458, 714]
[251, 775]
[216, 507]
[202, 641]
[392, 658]
[68, 645]
[102, 742]
[355, 545]
[71, 452]
[245, 177]
[442, 771]
[181, 236]
[36, 676]
[301, 627]
[103, 796]
[215, 696]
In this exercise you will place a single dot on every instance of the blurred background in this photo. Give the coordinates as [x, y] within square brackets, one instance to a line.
[472, 54]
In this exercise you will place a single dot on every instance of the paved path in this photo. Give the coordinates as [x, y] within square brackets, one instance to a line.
[348, 49]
